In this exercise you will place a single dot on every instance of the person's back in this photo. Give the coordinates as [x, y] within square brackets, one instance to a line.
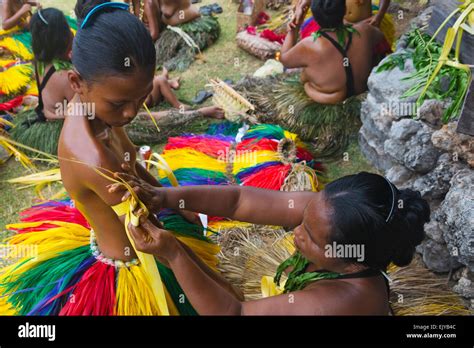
[334, 70]
[52, 42]
[325, 75]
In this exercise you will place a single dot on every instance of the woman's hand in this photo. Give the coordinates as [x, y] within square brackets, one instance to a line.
[150, 195]
[152, 240]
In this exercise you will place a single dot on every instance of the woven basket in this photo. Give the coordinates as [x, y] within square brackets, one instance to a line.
[257, 46]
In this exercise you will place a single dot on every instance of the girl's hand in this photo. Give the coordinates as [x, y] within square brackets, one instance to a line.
[151, 196]
[152, 240]
[375, 21]
[25, 8]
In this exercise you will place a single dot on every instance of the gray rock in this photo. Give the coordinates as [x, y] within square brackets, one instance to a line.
[431, 112]
[460, 145]
[436, 256]
[398, 175]
[434, 232]
[465, 285]
[388, 86]
[456, 218]
[405, 129]
[415, 151]
[374, 153]
[437, 183]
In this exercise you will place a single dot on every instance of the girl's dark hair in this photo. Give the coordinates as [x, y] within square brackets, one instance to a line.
[329, 13]
[360, 206]
[50, 41]
[114, 42]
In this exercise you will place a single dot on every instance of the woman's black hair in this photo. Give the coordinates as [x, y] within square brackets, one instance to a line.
[360, 206]
[83, 7]
[329, 13]
[50, 41]
[114, 42]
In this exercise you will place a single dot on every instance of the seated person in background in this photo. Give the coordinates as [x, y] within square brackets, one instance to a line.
[332, 71]
[176, 12]
[361, 10]
[163, 92]
[52, 44]
[148, 11]
[356, 11]
[17, 12]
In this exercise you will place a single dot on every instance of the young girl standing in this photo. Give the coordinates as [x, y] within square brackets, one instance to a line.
[86, 264]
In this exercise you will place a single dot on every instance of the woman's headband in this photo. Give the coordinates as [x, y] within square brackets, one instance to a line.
[392, 210]
[42, 18]
[119, 5]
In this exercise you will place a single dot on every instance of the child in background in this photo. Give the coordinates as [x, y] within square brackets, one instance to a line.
[17, 13]
[52, 44]
[356, 11]
[87, 263]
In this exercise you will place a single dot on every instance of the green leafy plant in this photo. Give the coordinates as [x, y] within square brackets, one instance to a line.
[439, 74]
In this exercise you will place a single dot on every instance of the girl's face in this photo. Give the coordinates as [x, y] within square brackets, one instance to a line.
[116, 99]
[312, 236]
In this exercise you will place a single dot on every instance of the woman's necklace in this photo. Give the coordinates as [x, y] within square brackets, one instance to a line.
[141, 5]
[298, 278]
[342, 33]
[58, 64]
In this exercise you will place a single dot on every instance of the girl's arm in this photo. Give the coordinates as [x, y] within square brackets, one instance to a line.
[384, 5]
[8, 20]
[151, 12]
[377, 19]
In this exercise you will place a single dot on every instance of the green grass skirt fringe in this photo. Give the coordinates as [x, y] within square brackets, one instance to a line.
[173, 53]
[282, 100]
[43, 136]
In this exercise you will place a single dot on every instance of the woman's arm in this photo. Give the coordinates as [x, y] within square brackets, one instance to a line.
[208, 296]
[248, 204]
[145, 175]
[293, 53]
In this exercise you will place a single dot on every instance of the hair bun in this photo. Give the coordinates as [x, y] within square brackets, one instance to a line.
[83, 7]
[410, 217]
[329, 6]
